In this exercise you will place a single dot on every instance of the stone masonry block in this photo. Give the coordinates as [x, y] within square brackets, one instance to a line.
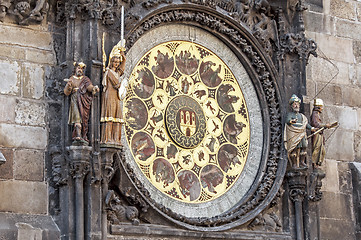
[346, 117]
[26, 227]
[318, 22]
[345, 177]
[40, 56]
[358, 9]
[351, 96]
[30, 113]
[6, 170]
[7, 109]
[311, 88]
[359, 119]
[23, 197]
[340, 146]
[339, 49]
[323, 70]
[26, 37]
[23, 136]
[357, 146]
[10, 77]
[330, 94]
[33, 81]
[357, 50]
[29, 165]
[336, 206]
[348, 29]
[27, 231]
[343, 9]
[332, 229]
[331, 181]
[315, 5]
[12, 52]
[313, 21]
[357, 77]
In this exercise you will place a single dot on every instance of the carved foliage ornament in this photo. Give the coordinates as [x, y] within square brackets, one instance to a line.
[267, 187]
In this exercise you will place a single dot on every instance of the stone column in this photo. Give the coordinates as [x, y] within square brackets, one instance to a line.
[79, 168]
[107, 159]
[297, 193]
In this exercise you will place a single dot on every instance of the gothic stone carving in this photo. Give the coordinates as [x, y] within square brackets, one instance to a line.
[107, 11]
[269, 222]
[118, 212]
[26, 12]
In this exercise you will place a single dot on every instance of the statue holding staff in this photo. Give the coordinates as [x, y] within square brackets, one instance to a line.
[81, 91]
[318, 140]
[113, 91]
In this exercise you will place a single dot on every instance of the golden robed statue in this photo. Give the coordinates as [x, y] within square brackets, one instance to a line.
[114, 86]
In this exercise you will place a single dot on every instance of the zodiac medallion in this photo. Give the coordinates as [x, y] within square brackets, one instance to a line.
[186, 122]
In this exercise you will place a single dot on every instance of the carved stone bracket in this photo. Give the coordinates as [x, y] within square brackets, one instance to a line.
[107, 160]
[314, 193]
[298, 44]
[297, 185]
[80, 157]
[79, 161]
[59, 171]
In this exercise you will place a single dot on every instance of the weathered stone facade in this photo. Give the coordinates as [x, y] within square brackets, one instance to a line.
[26, 55]
[335, 76]
[46, 185]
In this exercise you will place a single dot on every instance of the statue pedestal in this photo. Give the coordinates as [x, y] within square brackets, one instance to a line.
[79, 167]
[297, 181]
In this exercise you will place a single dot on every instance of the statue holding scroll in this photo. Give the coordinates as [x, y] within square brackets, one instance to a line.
[295, 138]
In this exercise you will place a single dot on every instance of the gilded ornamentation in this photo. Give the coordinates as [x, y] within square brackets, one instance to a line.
[180, 99]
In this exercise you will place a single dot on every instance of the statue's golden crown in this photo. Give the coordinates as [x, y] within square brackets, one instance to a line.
[117, 50]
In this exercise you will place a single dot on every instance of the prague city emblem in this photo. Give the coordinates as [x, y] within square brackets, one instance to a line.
[185, 122]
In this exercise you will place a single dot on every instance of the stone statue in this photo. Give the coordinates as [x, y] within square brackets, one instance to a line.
[81, 91]
[318, 140]
[113, 91]
[4, 7]
[26, 15]
[118, 212]
[295, 138]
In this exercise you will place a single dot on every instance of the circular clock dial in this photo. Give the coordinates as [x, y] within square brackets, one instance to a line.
[186, 122]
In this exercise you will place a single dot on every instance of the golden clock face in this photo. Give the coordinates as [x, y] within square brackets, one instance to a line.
[186, 122]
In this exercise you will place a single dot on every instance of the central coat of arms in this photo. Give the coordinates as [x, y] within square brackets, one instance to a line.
[185, 121]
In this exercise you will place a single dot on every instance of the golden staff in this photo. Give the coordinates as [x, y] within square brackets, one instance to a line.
[104, 55]
[323, 128]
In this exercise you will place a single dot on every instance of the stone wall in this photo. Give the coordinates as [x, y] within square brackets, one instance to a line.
[26, 55]
[336, 77]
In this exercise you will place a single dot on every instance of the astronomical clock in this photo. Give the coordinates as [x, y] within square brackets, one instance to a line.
[187, 122]
[198, 128]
